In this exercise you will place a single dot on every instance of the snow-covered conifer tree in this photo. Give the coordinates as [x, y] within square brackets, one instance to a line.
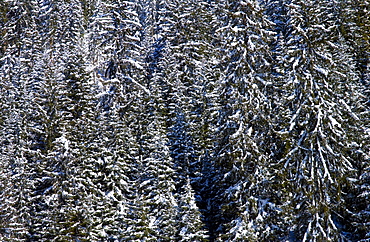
[19, 168]
[317, 120]
[354, 26]
[241, 196]
[63, 106]
[189, 221]
[174, 81]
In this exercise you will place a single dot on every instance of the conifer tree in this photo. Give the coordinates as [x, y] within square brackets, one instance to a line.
[157, 186]
[319, 95]
[354, 26]
[240, 190]
[19, 168]
[62, 103]
[187, 64]
[189, 223]
[172, 81]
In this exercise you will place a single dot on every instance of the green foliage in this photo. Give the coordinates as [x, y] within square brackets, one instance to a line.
[167, 120]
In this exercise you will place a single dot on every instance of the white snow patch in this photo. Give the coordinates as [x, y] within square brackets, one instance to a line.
[238, 132]
[349, 110]
[249, 132]
[322, 70]
[334, 122]
[64, 141]
[138, 84]
[295, 64]
[236, 116]
[292, 120]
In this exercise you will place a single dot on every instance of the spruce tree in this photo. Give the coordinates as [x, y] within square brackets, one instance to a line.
[64, 109]
[319, 97]
[240, 191]
[171, 80]
[355, 24]
[18, 139]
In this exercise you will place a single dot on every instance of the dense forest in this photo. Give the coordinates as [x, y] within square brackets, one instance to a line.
[185, 120]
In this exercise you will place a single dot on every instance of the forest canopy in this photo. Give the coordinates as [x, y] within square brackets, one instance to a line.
[185, 120]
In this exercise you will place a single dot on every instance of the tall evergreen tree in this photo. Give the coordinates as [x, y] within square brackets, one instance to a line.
[18, 141]
[167, 76]
[317, 121]
[240, 192]
[64, 109]
[355, 24]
